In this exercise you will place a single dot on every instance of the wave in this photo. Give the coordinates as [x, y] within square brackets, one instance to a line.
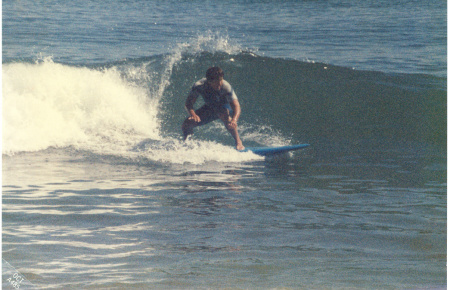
[112, 108]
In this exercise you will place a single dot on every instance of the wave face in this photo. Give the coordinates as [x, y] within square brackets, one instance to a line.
[314, 100]
[134, 108]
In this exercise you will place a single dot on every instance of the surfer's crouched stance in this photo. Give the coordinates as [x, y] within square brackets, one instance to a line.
[220, 103]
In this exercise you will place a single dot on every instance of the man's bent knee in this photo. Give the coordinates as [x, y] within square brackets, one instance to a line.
[188, 127]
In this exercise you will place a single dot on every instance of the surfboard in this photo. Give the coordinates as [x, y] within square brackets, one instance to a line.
[270, 151]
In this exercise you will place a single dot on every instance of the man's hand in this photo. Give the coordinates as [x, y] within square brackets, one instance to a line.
[194, 117]
[232, 124]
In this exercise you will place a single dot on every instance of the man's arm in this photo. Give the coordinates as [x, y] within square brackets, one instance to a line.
[236, 112]
[189, 105]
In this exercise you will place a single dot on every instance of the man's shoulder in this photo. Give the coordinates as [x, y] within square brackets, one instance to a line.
[226, 86]
[228, 91]
[199, 83]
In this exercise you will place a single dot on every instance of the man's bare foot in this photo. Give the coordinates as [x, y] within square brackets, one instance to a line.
[240, 147]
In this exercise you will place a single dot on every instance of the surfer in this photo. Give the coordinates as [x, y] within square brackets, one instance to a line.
[220, 103]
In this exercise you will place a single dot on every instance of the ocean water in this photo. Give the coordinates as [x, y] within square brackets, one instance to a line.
[100, 192]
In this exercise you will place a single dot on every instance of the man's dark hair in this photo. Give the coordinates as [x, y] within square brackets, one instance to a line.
[214, 73]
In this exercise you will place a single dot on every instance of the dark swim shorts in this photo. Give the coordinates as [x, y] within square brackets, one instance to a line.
[208, 114]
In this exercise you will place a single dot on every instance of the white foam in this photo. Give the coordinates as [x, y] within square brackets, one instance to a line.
[49, 104]
[192, 151]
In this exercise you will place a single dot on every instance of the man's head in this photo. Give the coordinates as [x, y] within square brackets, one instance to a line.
[214, 76]
[214, 73]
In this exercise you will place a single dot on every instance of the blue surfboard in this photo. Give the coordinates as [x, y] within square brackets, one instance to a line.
[270, 151]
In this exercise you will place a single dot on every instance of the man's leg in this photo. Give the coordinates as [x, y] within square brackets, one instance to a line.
[235, 134]
[226, 119]
[188, 127]
[206, 115]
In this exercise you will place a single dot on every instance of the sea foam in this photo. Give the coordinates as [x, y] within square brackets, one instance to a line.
[53, 105]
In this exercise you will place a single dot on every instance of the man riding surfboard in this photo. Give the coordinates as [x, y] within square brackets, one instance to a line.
[220, 103]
